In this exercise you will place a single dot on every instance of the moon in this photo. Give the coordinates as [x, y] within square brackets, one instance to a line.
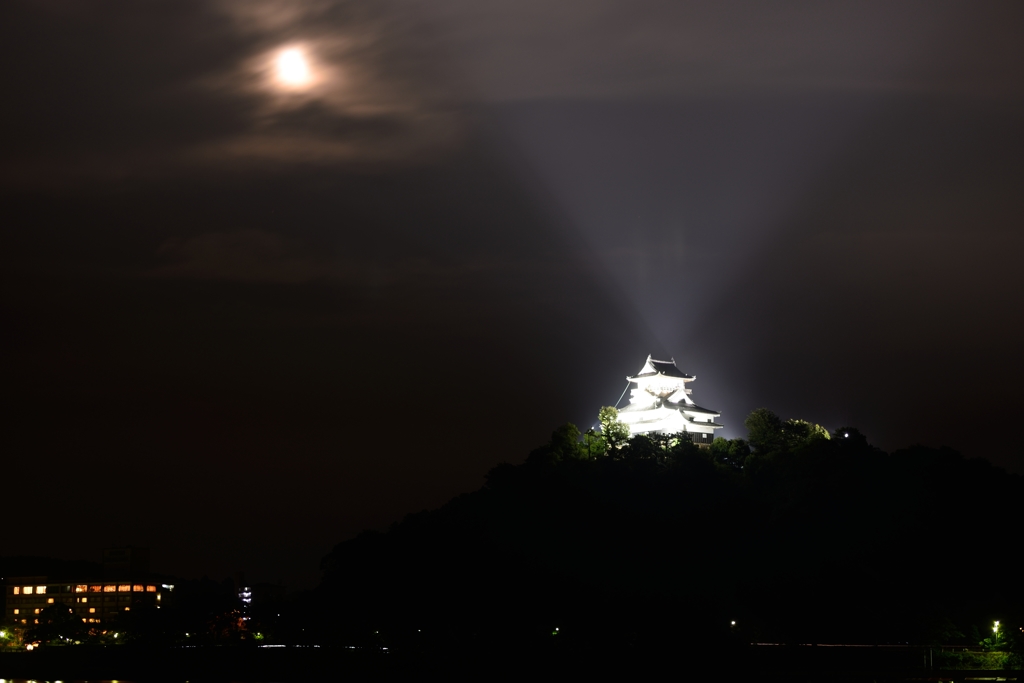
[291, 67]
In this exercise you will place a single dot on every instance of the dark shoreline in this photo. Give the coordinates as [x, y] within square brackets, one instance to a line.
[785, 663]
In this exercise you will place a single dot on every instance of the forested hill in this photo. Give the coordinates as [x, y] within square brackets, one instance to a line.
[805, 539]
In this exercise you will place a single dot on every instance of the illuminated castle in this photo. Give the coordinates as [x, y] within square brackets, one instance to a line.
[660, 402]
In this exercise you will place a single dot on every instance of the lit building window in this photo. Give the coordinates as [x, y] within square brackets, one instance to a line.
[125, 588]
[40, 589]
[138, 588]
[49, 601]
[95, 589]
[92, 610]
[27, 590]
[110, 588]
[17, 590]
[84, 599]
[37, 612]
[17, 611]
[151, 589]
[81, 589]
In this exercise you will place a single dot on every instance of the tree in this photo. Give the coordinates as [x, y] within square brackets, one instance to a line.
[57, 623]
[730, 452]
[564, 445]
[594, 444]
[615, 433]
[650, 448]
[998, 641]
[11, 634]
[851, 438]
[765, 431]
[739, 449]
[801, 432]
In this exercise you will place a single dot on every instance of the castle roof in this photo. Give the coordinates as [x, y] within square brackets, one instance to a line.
[665, 368]
[694, 408]
[659, 403]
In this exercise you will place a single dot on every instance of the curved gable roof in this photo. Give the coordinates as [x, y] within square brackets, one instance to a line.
[666, 368]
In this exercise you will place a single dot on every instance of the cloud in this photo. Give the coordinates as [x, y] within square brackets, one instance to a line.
[149, 91]
[374, 92]
[152, 90]
[259, 256]
[531, 49]
[243, 256]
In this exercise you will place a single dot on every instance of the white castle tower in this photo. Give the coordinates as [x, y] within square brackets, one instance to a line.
[661, 403]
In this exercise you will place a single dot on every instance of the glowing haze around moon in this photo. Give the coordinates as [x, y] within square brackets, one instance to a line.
[291, 68]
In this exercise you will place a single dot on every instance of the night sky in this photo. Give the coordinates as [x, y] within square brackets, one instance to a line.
[245, 314]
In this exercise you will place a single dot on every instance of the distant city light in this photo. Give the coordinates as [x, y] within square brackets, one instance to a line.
[846, 435]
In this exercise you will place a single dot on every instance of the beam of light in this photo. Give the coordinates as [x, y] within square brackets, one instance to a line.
[292, 68]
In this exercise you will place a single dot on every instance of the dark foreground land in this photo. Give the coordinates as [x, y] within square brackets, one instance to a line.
[762, 663]
[651, 555]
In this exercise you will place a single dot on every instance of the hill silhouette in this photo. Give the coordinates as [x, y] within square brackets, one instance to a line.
[657, 543]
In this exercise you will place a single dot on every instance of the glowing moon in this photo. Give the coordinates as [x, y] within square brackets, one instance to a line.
[292, 68]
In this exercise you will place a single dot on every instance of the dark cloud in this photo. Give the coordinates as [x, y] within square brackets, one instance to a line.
[659, 48]
[246, 322]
